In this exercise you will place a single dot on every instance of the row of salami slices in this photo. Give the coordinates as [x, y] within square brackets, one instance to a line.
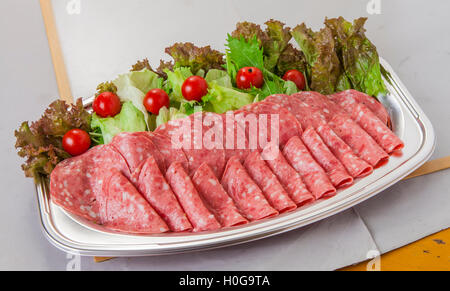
[142, 183]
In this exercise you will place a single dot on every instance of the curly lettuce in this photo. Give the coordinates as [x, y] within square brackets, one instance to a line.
[196, 58]
[325, 73]
[358, 55]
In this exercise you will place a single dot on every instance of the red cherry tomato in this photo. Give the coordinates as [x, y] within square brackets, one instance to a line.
[155, 100]
[76, 142]
[297, 77]
[248, 77]
[194, 88]
[107, 104]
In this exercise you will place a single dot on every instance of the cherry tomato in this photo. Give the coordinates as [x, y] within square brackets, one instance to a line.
[76, 142]
[194, 88]
[248, 77]
[297, 77]
[155, 100]
[107, 104]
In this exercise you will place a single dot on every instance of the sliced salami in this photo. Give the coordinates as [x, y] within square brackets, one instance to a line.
[136, 149]
[217, 200]
[153, 186]
[169, 152]
[201, 138]
[333, 167]
[125, 210]
[312, 174]
[247, 196]
[287, 176]
[268, 114]
[199, 215]
[359, 140]
[75, 183]
[235, 140]
[357, 167]
[349, 97]
[376, 129]
[319, 103]
[268, 183]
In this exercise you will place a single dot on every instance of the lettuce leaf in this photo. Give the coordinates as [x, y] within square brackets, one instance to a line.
[166, 115]
[324, 71]
[291, 59]
[219, 77]
[133, 87]
[175, 80]
[273, 40]
[195, 58]
[130, 119]
[41, 143]
[221, 99]
[358, 55]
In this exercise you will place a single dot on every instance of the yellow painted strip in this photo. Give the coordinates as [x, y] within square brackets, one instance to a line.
[62, 79]
[428, 254]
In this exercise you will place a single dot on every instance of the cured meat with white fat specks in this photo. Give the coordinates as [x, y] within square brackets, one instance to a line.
[217, 200]
[125, 210]
[199, 215]
[359, 140]
[312, 174]
[333, 167]
[76, 183]
[151, 183]
[136, 149]
[376, 129]
[247, 196]
[357, 167]
[268, 183]
[287, 176]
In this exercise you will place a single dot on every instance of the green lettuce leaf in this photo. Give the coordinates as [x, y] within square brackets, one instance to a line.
[221, 99]
[219, 77]
[279, 37]
[175, 80]
[324, 70]
[133, 87]
[358, 55]
[130, 119]
[166, 115]
[196, 58]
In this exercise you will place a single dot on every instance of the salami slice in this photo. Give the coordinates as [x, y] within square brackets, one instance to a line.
[268, 183]
[201, 138]
[169, 152]
[200, 217]
[125, 210]
[376, 129]
[319, 103]
[136, 149]
[349, 97]
[235, 140]
[312, 174]
[287, 176]
[153, 186]
[75, 183]
[359, 140]
[286, 128]
[333, 167]
[216, 198]
[357, 167]
[247, 196]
